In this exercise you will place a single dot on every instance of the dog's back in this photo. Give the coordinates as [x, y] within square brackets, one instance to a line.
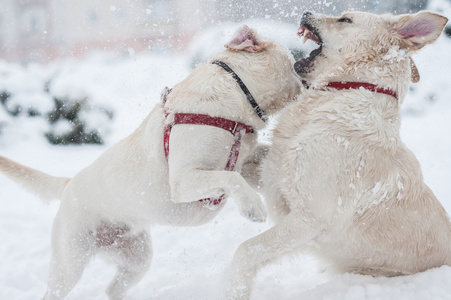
[338, 180]
[338, 162]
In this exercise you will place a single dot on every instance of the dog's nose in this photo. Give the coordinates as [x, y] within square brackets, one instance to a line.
[305, 16]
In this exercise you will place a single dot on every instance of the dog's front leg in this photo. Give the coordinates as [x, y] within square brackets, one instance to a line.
[194, 185]
[293, 233]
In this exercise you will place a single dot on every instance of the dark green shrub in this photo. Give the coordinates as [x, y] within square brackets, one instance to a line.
[68, 111]
[448, 31]
[68, 119]
[4, 97]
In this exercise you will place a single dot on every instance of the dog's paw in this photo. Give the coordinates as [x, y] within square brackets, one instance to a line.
[252, 208]
[213, 203]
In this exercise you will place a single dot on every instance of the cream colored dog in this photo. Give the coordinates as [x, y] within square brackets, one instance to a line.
[338, 181]
[108, 206]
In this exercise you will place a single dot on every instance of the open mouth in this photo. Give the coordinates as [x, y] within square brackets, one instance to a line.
[308, 32]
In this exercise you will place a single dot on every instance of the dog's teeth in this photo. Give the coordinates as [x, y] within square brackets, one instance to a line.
[301, 31]
[305, 33]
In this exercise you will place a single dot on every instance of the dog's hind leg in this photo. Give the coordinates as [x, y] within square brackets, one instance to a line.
[290, 235]
[72, 249]
[133, 256]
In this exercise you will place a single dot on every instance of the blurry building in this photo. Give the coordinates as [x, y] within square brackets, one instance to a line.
[41, 30]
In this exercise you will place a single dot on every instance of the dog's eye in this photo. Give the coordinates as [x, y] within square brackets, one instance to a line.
[345, 20]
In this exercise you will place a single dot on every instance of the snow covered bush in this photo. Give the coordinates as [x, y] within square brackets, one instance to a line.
[448, 31]
[4, 112]
[25, 95]
[70, 120]
[4, 96]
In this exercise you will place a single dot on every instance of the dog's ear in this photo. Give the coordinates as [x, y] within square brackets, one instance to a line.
[419, 29]
[246, 39]
[414, 74]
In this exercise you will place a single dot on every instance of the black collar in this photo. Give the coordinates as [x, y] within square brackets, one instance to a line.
[249, 97]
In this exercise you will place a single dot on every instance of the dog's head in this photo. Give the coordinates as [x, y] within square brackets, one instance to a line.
[265, 66]
[365, 46]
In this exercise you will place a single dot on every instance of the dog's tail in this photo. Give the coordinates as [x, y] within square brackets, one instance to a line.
[47, 187]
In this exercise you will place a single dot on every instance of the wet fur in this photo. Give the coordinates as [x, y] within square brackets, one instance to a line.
[109, 206]
[338, 181]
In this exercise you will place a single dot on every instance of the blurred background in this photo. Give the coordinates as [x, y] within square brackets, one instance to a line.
[43, 30]
[68, 68]
[77, 76]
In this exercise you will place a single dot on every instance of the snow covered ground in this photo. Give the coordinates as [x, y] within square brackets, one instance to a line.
[190, 263]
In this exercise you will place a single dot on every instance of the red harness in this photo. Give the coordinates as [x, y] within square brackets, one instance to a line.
[235, 128]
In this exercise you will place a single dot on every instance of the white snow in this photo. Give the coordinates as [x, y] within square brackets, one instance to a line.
[377, 187]
[395, 52]
[191, 263]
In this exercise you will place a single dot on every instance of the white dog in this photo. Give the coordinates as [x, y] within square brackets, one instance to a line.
[338, 181]
[207, 128]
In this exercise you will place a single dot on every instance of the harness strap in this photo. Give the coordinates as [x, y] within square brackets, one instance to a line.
[235, 128]
[245, 90]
